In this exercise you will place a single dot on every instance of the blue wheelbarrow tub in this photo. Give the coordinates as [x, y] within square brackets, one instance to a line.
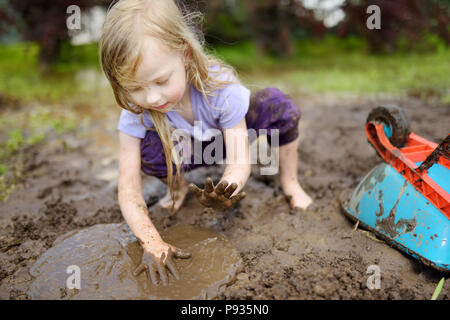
[387, 204]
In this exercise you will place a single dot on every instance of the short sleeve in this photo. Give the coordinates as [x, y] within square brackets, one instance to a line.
[234, 105]
[130, 124]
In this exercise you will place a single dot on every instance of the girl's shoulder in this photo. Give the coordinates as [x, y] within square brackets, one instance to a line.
[236, 92]
[130, 123]
[227, 81]
[222, 73]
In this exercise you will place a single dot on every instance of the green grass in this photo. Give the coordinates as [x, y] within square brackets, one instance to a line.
[22, 77]
[373, 74]
[340, 70]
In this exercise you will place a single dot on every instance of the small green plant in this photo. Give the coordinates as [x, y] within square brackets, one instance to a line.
[15, 140]
[44, 118]
[438, 289]
[10, 177]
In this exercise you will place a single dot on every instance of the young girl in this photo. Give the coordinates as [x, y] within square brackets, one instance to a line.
[164, 80]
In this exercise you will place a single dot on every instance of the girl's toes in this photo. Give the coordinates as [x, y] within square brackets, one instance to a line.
[303, 203]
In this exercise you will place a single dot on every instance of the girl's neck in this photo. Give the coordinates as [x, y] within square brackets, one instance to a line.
[185, 104]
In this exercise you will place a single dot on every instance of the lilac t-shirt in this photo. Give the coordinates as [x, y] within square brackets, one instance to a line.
[228, 106]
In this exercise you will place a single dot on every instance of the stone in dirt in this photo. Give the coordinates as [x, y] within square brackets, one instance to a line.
[107, 255]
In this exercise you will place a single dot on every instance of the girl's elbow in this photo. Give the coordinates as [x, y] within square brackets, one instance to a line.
[125, 192]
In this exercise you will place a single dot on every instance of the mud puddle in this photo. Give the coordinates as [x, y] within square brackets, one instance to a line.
[107, 254]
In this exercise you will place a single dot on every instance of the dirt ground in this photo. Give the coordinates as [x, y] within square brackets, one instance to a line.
[71, 183]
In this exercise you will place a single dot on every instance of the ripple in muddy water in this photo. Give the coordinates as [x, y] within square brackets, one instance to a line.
[107, 255]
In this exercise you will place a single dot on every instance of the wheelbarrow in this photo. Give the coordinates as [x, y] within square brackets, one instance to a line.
[405, 200]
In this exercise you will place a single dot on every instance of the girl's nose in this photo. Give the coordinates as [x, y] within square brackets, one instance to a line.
[153, 97]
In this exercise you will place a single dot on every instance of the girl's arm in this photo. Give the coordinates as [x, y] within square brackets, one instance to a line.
[132, 204]
[238, 165]
[157, 253]
[236, 173]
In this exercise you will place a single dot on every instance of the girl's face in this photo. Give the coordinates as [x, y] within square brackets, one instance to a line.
[162, 76]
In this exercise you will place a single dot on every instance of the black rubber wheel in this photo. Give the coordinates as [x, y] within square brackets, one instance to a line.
[395, 117]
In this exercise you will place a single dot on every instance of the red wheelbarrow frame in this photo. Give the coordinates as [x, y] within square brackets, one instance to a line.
[404, 159]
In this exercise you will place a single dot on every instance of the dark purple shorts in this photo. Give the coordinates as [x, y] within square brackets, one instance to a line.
[269, 109]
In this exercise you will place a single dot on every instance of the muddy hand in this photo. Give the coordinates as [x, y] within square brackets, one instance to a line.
[218, 198]
[153, 265]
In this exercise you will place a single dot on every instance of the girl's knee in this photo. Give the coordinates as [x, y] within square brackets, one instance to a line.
[294, 111]
[264, 95]
[274, 103]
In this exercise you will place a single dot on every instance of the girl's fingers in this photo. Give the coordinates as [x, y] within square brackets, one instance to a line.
[195, 190]
[151, 272]
[162, 271]
[209, 185]
[152, 275]
[238, 197]
[220, 188]
[165, 256]
[212, 196]
[171, 265]
[142, 267]
[228, 203]
[229, 191]
[178, 253]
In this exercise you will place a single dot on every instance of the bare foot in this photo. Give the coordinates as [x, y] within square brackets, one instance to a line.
[180, 195]
[295, 195]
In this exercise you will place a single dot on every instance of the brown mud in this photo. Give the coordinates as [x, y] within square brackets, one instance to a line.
[106, 255]
[71, 183]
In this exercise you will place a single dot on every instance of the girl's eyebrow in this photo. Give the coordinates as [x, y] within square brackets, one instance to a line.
[163, 76]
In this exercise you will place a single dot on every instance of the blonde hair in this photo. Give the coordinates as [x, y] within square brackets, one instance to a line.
[120, 50]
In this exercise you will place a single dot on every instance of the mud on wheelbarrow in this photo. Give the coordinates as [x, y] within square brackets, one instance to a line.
[406, 199]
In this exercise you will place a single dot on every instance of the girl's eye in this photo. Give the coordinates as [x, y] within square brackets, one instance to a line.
[162, 82]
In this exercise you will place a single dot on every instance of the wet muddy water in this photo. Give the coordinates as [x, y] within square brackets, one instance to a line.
[107, 254]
